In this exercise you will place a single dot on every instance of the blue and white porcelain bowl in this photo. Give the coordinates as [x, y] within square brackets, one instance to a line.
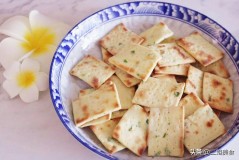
[137, 16]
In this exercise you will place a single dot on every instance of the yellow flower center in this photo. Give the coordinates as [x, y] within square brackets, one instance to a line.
[38, 40]
[26, 78]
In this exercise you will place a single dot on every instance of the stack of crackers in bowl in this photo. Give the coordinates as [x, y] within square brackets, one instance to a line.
[153, 91]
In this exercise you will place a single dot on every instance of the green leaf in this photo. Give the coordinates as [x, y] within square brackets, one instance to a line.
[130, 129]
[138, 125]
[158, 153]
[228, 99]
[209, 98]
[176, 94]
[165, 134]
[167, 151]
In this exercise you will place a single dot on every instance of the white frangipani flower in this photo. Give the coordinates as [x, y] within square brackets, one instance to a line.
[36, 37]
[25, 80]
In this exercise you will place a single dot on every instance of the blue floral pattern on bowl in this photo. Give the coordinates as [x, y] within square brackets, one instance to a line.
[151, 8]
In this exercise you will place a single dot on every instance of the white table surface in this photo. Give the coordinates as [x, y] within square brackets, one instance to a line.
[34, 131]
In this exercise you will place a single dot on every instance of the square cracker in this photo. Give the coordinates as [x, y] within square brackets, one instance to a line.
[180, 69]
[194, 81]
[99, 120]
[103, 132]
[191, 103]
[217, 68]
[131, 131]
[201, 49]
[172, 55]
[158, 92]
[218, 92]
[119, 37]
[156, 34]
[84, 92]
[96, 104]
[202, 127]
[136, 60]
[93, 71]
[126, 78]
[126, 94]
[166, 132]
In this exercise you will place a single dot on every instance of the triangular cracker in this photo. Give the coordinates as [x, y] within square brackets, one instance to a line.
[126, 94]
[202, 50]
[118, 114]
[202, 127]
[126, 78]
[93, 71]
[105, 55]
[157, 92]
[136, 60]
[96, 104]
[194, 81]
[180, 69]
[147, 109]
[97, 121]
[104, 133]
[166, 132]
[118, 37]
[217, 112]
[172, 55]
[156, 34]
[169, 78]
[169, 40]
[131, 131]
[218, 92]
[181, 79]
[191, 103]
[217, 68]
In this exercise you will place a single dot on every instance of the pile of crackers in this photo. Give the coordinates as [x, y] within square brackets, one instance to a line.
[153, 91]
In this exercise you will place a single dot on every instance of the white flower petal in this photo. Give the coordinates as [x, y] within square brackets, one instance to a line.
[42, 81]
[29, 94]
[26, 56]
[60, 29]
[16, 27]
[10, 51]
[11, 88]
[45, 59]
[11, 72]
[30, 64]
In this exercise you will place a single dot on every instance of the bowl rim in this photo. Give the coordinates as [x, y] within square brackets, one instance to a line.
[236, 122]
